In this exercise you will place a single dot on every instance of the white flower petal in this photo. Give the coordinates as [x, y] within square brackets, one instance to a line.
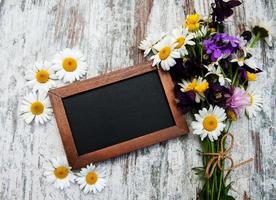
[64, 75]
[100, 183]
[198, 126]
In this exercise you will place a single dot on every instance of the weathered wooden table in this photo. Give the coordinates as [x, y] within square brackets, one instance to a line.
[108, 32]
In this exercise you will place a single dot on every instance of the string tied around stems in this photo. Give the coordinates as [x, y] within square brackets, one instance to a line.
[221, 156]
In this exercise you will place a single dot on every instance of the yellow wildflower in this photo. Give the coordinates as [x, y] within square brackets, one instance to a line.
[202, 87]
[192, 22]
[251, 76]
[231, 115]
[191, 86]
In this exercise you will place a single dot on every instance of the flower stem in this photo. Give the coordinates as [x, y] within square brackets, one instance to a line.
[222, 172]
[229, 126]
[208, 180]
[231, 72]
[213, 178]
[193, 50]
[220, 184]
[235, 77]
[254, 41]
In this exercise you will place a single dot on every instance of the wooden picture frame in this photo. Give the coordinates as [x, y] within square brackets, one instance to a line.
[76, 161]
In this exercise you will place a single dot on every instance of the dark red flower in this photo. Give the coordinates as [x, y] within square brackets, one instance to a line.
[185, 69]
[223, 10]
[185, 100]
[217, 95]
[247, 35]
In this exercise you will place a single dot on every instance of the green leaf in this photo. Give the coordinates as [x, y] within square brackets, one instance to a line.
[203, 193]
[228, 198]
[199, 171]
[199, 151]
[227, 188]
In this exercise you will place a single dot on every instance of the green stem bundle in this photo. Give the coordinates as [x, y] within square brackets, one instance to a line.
[215, 187]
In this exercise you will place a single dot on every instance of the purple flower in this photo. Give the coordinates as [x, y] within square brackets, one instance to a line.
[221, 45]
[211, 49]
[244, 69]
[185, 100]
[234, 41]
[185, 70]
[218, 95]
[247, 35]
[222, 10]
[238, 101]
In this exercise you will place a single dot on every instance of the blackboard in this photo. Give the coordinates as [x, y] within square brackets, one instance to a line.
[118, 112]
[109, 115]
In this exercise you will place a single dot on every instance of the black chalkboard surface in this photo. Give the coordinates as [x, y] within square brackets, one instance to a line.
[107, 116]
[118, 112]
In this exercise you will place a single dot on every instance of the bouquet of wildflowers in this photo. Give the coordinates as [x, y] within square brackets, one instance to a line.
[212, 71]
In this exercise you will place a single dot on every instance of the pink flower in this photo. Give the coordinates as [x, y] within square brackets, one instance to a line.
[238, 101]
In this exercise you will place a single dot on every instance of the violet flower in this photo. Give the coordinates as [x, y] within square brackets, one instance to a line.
[222, 9]
[218, 95]
[221, 45]
[185, 100]
[185, 70]
[247, 35]
[238, 101]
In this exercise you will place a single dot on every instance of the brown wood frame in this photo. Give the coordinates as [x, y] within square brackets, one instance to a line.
[77, 161]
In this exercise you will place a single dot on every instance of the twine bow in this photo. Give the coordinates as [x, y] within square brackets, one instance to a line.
[220, 156]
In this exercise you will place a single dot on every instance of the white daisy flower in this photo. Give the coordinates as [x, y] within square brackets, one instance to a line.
[37, 107]
[70, 65]
[92, 179]
[212, 69]
[166, 54]
[198, 86]
[182, 37]
[59, 174]
[187, 86]
[255, 102]
[201, 86]
[250, 62]
[201, 32]
[209, 123]
[266, 29]
[147, 45]
[41, 77]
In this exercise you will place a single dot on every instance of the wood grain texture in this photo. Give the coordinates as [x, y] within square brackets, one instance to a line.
[108, 32]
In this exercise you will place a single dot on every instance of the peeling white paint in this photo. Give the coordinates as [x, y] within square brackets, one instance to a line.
[33, 30]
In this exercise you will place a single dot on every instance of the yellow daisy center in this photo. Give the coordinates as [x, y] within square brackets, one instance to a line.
[191, 86]
[42, 76]
[37, 108]
[210, 123]
[61, 172]
[251, 99]
[218, 95]
[212, 30]
[91, 178]
[69, 64]
[200, 88]
[180, 41]
[241, 59]
[192, 22]
[251, 76]
[164, 53]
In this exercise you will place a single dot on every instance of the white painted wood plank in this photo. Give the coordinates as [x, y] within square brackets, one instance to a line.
[107, 32]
